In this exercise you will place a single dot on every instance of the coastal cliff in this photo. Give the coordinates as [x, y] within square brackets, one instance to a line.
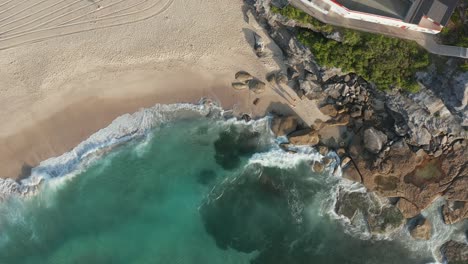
[407, 148]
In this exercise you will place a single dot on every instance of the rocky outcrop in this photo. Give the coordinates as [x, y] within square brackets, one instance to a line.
[374, 140]
[282, 126]
[239, 86]
[256, 86]
[367, 213]
[455, 252]
[422, 229]
[304, 137]
[243, 77]
[454, 211]
[408, 147]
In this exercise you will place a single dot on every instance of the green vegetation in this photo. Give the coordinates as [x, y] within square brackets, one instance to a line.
[388, 62]
[302, 17]
[456, 32]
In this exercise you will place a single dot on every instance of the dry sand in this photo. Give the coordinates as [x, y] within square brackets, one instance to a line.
[68, 68]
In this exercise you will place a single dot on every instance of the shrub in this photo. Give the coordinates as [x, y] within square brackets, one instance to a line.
[388, 62]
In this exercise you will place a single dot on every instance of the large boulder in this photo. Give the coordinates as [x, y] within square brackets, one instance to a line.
[454, 211]
[243, 76]
[374, 140]
[455, 252]
[282, 126]
[366, 212]
[422, 230]
[304, 137]
[256, 86]
[239, 86]
[329, 110]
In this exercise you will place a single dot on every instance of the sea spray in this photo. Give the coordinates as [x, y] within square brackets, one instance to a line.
[122, 129]
[151, 187]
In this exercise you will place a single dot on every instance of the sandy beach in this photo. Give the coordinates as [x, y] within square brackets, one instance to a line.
[66, 74]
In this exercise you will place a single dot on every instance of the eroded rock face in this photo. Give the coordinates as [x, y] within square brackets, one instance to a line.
[422, 229]
[378, 218]
[282, 126]
[414, 176]
[455, 252]
[374, 140]
[455, 211]
[304, 137]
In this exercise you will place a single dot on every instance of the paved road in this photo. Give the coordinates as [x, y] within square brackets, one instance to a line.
[425, 40]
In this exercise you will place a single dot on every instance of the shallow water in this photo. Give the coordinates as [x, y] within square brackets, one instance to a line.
[181, 195]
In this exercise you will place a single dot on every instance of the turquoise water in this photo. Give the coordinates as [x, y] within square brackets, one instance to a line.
[187, 193]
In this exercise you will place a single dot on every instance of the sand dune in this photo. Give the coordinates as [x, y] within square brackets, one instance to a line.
[67, 68]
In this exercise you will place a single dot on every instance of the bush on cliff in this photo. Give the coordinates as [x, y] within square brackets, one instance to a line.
[388, 62]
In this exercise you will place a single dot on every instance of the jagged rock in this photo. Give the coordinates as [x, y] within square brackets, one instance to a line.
[454, 211]
[408, 209]
[282, 126]
[281, 78]
[460, 88]
[329, 110]
[422, 230]
[350, 172]
[323, 150]
[380, 218]
[444, 140]
[259, 45]
[356, 111]
[243, 76]
[239, 86]
[341, 152]
[345, 162]
[422, 136]
[455, 252]
[374, 140]
[246, 117]
[304, 137]
[312, 89]
[318, 167]
[342, 120]
[256, 86]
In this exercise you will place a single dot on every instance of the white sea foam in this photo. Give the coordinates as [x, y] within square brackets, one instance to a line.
[122, 129]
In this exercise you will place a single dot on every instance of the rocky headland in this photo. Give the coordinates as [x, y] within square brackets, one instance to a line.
[406, 149]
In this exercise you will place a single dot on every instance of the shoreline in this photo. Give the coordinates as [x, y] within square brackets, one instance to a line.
[57, 92]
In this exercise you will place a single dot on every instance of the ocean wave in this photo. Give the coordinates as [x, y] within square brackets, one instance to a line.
[122, 129]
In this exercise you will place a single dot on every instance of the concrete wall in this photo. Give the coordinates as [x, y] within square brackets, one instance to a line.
[350, 14]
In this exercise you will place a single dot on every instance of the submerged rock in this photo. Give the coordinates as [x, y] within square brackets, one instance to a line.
[206, 176]
[250, 211]
[235, 143]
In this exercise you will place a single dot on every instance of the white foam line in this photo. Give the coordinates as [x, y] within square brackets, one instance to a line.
[122, 129]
